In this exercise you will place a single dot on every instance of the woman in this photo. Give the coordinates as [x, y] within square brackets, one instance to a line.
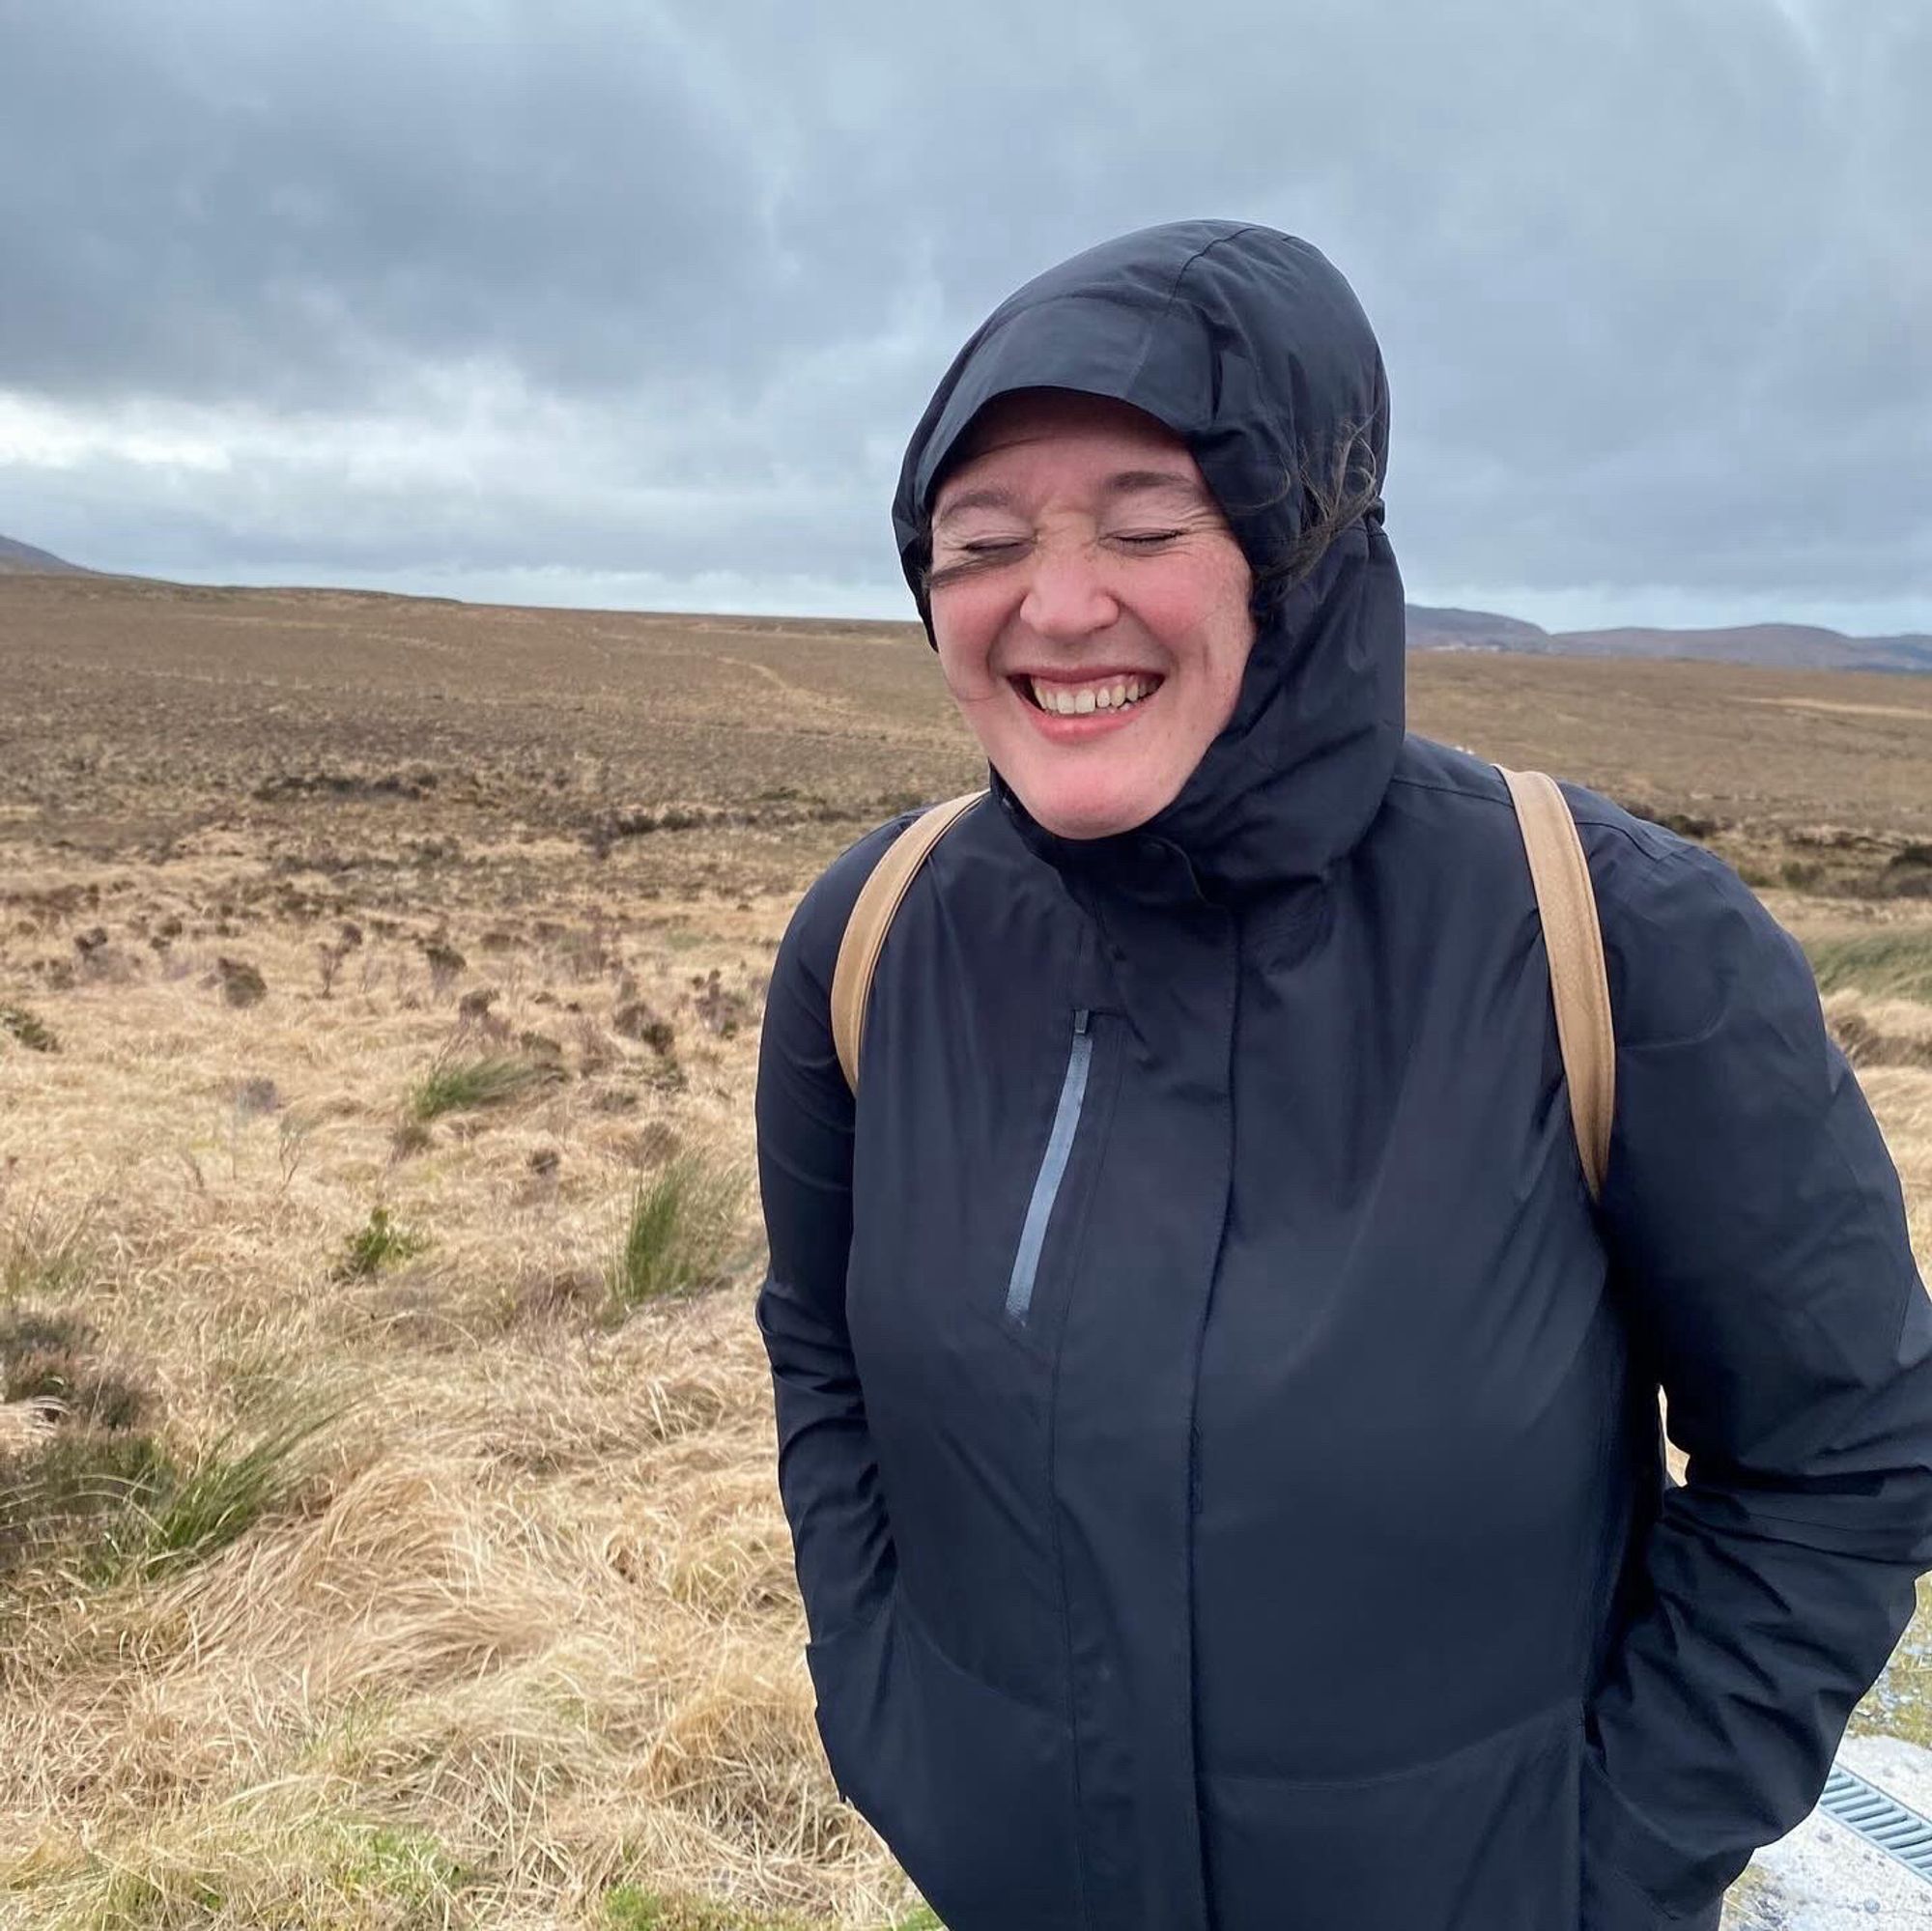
[1218, 1431]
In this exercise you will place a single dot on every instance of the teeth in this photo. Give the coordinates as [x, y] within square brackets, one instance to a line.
[1075, 702]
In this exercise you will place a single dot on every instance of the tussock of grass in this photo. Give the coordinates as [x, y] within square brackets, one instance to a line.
[375, 1244]
[18, 1023]
[679, 1232]
[1895, 963]
[223, 1493]
[76, 1498]
[46, 1361]
[489, 1079]
[100, 1505]
[46, 1250]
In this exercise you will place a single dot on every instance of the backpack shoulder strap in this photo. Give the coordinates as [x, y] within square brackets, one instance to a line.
[872, 918]
[1578, 984]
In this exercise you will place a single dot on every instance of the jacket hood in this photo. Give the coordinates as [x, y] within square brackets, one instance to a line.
[1251, 347]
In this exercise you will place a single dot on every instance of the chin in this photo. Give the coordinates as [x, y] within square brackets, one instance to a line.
[1089, 814]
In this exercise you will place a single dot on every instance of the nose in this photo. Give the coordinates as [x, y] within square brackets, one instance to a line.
[1067, 594]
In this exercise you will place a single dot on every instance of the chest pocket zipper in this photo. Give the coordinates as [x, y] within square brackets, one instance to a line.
[1052, 1170]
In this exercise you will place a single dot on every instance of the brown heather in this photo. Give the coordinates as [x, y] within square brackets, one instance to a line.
[388, 1527]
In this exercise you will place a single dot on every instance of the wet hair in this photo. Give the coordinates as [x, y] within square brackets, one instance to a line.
[1340, 487]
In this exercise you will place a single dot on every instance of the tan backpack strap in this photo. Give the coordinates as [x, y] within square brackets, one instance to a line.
[872, 918]
[1577, 981]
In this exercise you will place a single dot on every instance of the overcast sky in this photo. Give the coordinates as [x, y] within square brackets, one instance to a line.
[617, 302]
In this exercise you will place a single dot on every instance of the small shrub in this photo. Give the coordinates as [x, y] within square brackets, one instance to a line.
[18, 1023]
[547, 1051]
[375, 1245]
[718, 1009]
[328, 959]
[679, 1231]
[636, 1020]
[241, 984]
[257, 1096]
[595, 1053]
[489, 1079]
[445, 964]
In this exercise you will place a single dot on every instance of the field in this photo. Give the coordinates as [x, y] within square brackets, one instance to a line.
[387, 1534]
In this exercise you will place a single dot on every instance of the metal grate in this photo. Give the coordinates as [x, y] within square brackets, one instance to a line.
[1880, 1819]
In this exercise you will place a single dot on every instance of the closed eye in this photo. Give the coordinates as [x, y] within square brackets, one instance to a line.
[1147, 539]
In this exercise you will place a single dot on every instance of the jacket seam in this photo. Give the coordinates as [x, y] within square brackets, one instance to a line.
[1173, 295]
[1574, 1705]
[1597, 820]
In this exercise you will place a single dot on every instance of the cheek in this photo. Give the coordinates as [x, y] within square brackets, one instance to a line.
[964, 630]
[1207, 624]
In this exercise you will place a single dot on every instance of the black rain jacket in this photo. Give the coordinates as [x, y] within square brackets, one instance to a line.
[1218, 1433]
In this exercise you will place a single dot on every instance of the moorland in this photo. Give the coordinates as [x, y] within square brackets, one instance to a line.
[388, 1532]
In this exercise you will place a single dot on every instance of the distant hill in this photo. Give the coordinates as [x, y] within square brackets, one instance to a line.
[1788, 646]
[20, 559]
[1783, 646]
[1471, 630]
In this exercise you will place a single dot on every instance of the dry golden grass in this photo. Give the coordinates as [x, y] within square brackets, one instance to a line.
[512, 1638]
[525, 1632]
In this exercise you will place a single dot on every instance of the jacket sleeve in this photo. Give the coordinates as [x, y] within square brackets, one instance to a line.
[1757, 1232]
[828, 1476]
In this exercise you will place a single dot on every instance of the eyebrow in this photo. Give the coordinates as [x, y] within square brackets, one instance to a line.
[1122, 483]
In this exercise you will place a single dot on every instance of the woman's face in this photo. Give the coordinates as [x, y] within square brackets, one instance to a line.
[1078, 560]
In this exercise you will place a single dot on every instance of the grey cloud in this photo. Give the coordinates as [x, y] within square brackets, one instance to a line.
[222, 202]
[1651, 280]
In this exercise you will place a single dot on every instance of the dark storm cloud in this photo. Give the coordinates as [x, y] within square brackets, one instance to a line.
[662, 290]
[298, 204]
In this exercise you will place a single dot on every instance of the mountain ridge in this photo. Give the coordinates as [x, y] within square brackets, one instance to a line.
[22, 560]
[1446, 628]
[1782, 645]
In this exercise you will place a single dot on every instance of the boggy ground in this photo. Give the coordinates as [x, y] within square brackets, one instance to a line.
[387, 1534]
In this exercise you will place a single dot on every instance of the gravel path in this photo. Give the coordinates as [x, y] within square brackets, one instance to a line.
[1824, 1877]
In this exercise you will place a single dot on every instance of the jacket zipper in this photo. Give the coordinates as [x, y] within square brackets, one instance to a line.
[1052, 1170]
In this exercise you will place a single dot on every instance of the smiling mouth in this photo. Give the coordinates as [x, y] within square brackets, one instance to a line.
[1069, 699]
